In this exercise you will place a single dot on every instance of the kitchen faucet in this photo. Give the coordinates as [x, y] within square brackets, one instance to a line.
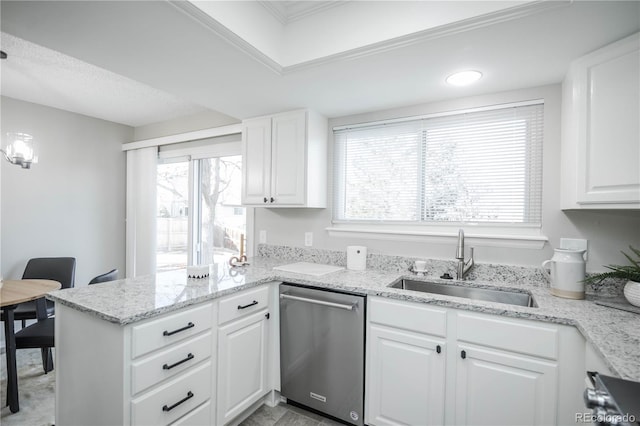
[463, 267]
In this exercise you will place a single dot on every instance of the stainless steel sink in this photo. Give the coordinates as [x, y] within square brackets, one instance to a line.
[475, 293]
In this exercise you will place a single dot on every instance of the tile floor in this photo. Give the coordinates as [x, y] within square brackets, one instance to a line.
[36, 392]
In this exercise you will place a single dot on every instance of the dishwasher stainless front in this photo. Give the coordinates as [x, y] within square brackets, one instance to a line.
[322, 350]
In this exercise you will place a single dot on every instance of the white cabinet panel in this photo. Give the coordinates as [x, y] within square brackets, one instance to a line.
[527, 337]
[247, 302]
[418, 317]
[601, 129]
[500, 388]
[285, 160]
[201, 416]
[288, 153]
[170, 329]
[406, 378]
[148, 371]
[256, 159]
[242, 364]
[174, 399]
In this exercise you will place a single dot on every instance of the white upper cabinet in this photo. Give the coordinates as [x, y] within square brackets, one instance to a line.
[601, 129]
[285, 160]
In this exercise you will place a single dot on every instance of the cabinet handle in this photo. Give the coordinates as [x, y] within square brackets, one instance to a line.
[463, 354]
[267, 315]
[255, 302]
[189, 396]
[273, 199]
[169, 333]
[438, 349]
[169, 367]
[265, 199]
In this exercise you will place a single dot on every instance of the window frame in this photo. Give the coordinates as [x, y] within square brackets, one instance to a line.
[225, 146]
[521, 235]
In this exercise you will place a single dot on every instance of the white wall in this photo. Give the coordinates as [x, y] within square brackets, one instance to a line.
[607, 232]
[72, 203]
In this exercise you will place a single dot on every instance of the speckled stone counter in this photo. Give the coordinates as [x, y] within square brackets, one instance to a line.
[615, 334]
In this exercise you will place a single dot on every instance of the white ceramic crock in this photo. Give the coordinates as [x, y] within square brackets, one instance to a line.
[567, 273]
[632, 292]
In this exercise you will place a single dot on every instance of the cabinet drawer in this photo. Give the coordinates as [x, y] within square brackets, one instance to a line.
[521, 336]
[241, 304]
[198, 417]
[411, 316]
[169, 402]
[170, 329]
[170, 362]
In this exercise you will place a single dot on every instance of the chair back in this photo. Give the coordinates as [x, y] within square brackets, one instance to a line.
[107, 276]
[61, 269]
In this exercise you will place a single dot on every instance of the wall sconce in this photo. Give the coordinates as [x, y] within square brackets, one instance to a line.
[18, 150]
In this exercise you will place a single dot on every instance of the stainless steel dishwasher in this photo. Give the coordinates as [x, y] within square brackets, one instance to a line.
[322, 350]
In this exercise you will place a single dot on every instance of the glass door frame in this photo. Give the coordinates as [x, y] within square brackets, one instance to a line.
[193, 155]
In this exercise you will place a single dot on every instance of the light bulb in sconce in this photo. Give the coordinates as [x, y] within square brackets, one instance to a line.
[18, 149]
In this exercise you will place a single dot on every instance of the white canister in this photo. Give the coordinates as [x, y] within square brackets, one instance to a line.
[357, 258]
[567, 273]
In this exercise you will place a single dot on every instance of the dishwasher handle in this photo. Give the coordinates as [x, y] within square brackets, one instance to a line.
[319, 302]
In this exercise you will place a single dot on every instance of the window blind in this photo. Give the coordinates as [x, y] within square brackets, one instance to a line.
[478, 166]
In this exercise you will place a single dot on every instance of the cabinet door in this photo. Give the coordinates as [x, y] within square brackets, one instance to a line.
[501, 388]
[242, 364]
[406, 378]
[256, 157]
[288, 154]
[609, 129]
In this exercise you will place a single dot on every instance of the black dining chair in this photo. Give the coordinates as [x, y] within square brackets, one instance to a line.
[107, 276]
[39, 335]
[61, 269]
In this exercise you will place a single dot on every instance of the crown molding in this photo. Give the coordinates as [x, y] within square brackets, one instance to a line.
[318, 6]
[275, 10]
[454, 28]
[458, 27]
[226, 34]
[287, 14]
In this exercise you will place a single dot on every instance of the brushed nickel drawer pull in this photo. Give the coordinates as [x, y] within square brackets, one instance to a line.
[189, 396]
[169, 367]
[188, 326]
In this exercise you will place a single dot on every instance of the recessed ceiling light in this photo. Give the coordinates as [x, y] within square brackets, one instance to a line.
[464, 78]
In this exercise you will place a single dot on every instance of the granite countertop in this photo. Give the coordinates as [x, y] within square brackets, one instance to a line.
[615, 334]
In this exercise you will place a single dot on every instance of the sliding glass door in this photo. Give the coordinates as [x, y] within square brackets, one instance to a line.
[221, 219]
[200, 218]
[172, 232]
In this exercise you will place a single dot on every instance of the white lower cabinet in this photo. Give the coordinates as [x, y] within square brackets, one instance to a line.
[153, 372]
[167, 403]
[243, 359]
[495, 387]
[432, 365]
[407, 374]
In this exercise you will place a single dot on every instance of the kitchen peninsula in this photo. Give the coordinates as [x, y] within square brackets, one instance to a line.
[105, 350]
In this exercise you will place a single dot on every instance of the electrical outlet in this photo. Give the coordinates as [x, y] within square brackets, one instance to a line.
[263, 237]
[308, 239]
[575, 244]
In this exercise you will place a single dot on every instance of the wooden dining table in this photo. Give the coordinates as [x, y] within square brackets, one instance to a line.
[12, 293]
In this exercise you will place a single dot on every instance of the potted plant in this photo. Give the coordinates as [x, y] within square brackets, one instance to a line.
[631, 273]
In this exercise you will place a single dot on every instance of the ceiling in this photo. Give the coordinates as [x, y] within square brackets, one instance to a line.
[182, 61]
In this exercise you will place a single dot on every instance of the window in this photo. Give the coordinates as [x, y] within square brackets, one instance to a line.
[221, 220]
[481, 166]
[172, 223]
[200, 219]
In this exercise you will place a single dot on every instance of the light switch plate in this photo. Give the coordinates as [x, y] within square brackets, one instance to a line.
[575, 244]
[308, 239]
[263, 237]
